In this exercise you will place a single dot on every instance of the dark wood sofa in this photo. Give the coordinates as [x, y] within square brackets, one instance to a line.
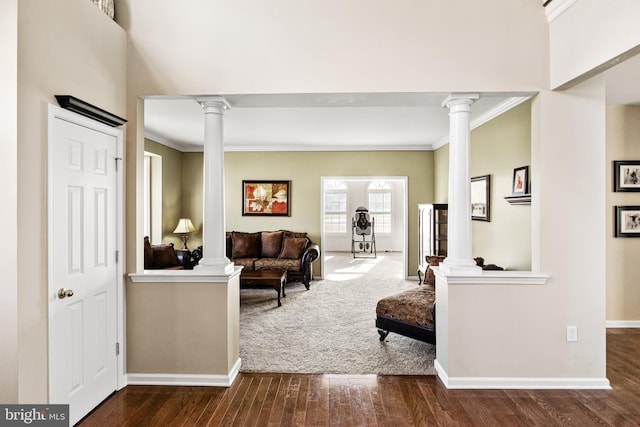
[165, 257]
[271, 250]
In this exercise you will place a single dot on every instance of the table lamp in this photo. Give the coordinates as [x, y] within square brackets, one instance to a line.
[184, 227]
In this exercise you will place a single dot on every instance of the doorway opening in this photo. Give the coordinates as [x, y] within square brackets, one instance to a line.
[385, 197]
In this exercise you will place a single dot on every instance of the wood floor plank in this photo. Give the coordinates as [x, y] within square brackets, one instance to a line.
[414, 400]
[276, 415]
[317, 402]
[394, 401]
[252, 417]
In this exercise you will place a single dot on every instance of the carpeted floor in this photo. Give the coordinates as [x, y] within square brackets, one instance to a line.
[331, 327]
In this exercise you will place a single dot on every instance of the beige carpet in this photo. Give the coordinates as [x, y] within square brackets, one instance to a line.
[331, 327]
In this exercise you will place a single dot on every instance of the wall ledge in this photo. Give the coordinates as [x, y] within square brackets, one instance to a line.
[186, 379]
[181, 276]
[491, 277]
[520, 383]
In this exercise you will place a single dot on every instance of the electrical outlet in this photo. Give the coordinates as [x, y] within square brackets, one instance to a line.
[572, 333]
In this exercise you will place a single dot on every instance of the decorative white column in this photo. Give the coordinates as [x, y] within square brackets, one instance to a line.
[459, 257]
[214, 259]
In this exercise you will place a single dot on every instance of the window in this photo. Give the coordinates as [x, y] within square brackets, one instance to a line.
[379, 195]
[335, 206]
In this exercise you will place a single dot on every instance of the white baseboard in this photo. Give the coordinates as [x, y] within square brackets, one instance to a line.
[623, 323]
[185, 379]
[520, 383]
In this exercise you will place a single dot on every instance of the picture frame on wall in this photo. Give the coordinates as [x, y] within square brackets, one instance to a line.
[481, 198]
[626, 175]
[520, 184]
[266, 198]
[627, 221]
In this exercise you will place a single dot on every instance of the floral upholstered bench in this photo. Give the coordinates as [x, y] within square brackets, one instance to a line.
[410, 313]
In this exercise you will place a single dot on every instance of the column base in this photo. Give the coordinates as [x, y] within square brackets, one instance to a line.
[215, 266]
[459, 266]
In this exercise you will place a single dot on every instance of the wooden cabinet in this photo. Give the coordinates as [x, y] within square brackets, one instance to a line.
[432, 233]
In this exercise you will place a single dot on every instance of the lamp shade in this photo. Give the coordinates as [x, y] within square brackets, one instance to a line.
[184, 226]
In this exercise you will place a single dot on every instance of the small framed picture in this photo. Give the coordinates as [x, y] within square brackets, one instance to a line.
[520, 183]
[480, 198]
[626, 175]
[270, 198]
[627, 221]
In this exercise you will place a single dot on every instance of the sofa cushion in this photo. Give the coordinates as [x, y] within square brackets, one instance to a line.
[245, 245]
[277, 264]
[148, 254]
[293, 247]
[229, 245]
[164, 256]
[414, 306]
[247, 263]
[271, 243]
[432, 261]
[288, 233]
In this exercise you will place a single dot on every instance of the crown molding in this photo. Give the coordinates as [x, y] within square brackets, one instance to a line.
[496, 111]
[319, 147]
[183, 147]
[189, 148]
[555, 8]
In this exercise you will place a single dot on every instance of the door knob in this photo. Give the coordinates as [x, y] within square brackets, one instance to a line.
[63, 293]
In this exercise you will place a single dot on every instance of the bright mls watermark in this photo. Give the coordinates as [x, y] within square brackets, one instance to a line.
[34, 415]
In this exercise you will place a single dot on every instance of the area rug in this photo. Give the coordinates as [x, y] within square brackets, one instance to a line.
[331, 327]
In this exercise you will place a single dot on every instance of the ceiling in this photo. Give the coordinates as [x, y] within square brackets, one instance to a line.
[353, 121]
[311, 122]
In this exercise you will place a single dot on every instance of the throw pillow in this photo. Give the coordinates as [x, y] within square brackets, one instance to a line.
[293, 247]
[148, 254]
[271, 243]
[288, 233]
[164, 256]
[245, 245]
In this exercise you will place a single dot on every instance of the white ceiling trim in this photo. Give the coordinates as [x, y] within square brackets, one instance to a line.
[318, 147]
[185, 148]
[488, 116]
[557, 8]
[188, 148]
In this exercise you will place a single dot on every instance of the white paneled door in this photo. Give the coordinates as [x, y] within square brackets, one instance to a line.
[82, 265]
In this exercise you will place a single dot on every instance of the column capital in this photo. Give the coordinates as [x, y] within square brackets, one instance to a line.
[464, 99]
[213, 104]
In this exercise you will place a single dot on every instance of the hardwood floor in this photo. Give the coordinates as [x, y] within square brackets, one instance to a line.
[335, 400]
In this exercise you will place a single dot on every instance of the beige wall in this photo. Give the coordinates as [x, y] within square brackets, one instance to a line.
[497, 147]
[335, 46]
[192, 189]
[172, 187]
[8, 213]
[64, 47]
[623, 269]
[589, 35]
[199, 324]
[305, 169]
[568, 128]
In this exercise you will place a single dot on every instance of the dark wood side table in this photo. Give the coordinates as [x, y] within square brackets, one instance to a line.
[275, 279]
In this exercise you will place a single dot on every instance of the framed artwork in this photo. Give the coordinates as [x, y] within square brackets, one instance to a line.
[269, 198]
[627, 221]
[626, 175]
[520, 185]
[480, 198]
